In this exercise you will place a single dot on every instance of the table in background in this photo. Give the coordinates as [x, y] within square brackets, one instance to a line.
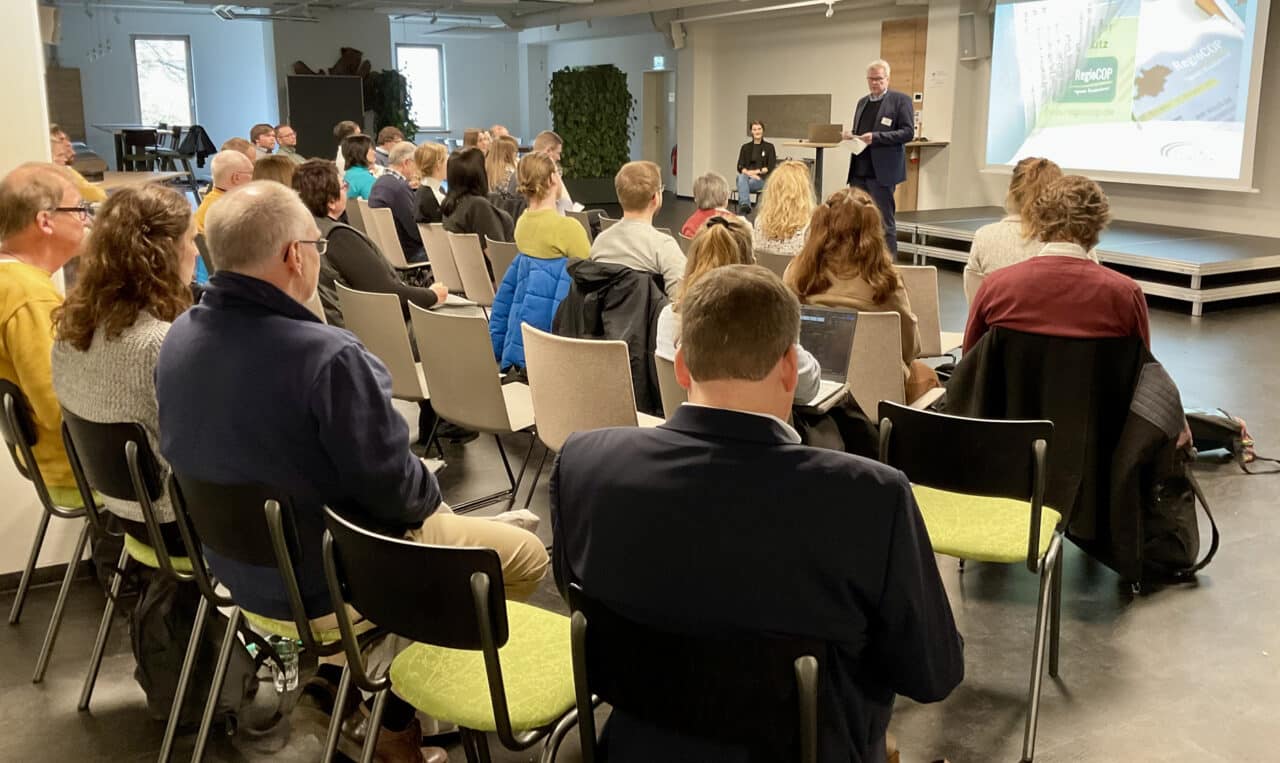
[114, 181]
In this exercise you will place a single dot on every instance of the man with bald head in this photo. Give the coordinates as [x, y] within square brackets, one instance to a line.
[43, 220]
[253, 388]
[231, 169]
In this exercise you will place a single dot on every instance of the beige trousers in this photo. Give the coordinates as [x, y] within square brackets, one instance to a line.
[524, 558]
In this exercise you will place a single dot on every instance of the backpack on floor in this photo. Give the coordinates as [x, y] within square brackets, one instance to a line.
[1219, 430]
[1170, 528]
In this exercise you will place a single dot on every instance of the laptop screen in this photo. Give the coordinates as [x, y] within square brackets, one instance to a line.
[827, 333]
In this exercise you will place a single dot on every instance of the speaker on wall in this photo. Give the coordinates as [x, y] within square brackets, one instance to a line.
[975, 36]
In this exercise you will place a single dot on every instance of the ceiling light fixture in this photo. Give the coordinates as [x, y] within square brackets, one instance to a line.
[831, 10]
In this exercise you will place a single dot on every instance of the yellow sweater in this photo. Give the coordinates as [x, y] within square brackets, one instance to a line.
[27, 301]
[203, 210]
[547, 235]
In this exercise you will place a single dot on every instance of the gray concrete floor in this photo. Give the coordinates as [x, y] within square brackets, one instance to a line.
[1184, 674]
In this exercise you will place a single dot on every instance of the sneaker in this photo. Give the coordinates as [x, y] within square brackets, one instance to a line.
[522, 518]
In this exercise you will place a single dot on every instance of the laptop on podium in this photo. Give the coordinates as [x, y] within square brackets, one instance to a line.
[827, 333]
[825, 133]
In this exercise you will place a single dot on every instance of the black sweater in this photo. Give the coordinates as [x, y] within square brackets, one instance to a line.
[361, 266]
[757, 156]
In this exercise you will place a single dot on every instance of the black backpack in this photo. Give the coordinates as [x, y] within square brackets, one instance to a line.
[1170, 528]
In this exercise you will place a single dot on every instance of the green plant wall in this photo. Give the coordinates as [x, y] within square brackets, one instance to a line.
[592, 110]
[386, 93]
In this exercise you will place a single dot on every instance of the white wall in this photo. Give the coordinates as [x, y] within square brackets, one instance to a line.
[232, 76]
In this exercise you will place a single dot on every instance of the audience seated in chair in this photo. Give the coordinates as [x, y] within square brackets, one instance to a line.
[351, 257]
[633, 241]
[432, 160]
[393, 191]
[500, 163]
[864, 581]
[711, 195]
[288, 140]
[341, 131]
[466, 207]
[476, 137]
[241, 145]
[358, 158]
[65, 155]
[499, 131]
[551, 144]
[43, 222]
[387, 138]
[782, 221]
[129, 289]
[845, 263]
[274, 167]
[726, 241]
[231, 169]
[263, 138]
[316, 423]
[1061, 291]
[537, 280]
[1013, 239]
[756, 160]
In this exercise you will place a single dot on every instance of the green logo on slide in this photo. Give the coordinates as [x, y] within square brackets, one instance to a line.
[1095, 81]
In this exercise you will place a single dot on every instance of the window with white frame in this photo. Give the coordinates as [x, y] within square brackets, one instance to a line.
[423, 70]
[162, 65]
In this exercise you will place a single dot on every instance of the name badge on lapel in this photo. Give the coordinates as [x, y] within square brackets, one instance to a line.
[886, 121]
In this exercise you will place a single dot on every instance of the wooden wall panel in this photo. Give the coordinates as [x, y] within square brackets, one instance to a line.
[66, 104]
[903, 43]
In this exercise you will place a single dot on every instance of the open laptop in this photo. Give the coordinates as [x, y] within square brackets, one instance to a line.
[827, 333]
[825, 133]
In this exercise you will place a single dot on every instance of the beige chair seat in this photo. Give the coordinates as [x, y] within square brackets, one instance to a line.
[519, 406]
[645, 420]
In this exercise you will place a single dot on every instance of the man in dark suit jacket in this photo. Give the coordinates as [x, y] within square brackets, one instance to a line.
[720, 521]
[392, 191]
[885, 122]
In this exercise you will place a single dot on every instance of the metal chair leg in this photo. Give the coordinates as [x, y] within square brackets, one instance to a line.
[529, 498]
[1037, 657]
[551, 746]
[104, 629]
[184, 680]
[36, 544]
[335, 720]
[375, 727]
[524, 467]
[1055, 615]
[55, 621]
[215, 690]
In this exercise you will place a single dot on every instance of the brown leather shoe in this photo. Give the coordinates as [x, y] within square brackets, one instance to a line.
[393, 746]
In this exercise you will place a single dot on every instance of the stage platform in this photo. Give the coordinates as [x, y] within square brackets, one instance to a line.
[1195, 266]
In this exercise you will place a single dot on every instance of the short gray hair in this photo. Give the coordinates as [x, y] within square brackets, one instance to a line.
[400, 151]
[879, 63]
[254, 223]
[226, 162]
[710, 191]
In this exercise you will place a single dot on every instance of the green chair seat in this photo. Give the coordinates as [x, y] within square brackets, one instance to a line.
[537, 669]
[286, 628]
[982, 528]
[144, 554]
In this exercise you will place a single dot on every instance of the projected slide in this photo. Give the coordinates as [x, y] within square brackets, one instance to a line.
[1157, 87]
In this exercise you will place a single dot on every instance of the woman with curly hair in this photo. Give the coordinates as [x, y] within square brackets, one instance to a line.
[132, 284]
[1061, 291]
[845, 263]
[782, 222]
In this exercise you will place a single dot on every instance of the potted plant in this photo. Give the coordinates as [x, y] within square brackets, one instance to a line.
[592, 110]
[386, 93]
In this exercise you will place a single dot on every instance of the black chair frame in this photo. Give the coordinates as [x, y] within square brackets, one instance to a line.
[704, 686]
[459, 604]
[19, 432]
[1001, 458]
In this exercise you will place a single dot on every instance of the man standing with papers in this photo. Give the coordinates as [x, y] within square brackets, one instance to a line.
[883, 122]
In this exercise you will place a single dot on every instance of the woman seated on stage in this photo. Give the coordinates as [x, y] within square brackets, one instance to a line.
[783, 220]
[1011, 240]
[756, 159]
[711, 194]
[846, 264]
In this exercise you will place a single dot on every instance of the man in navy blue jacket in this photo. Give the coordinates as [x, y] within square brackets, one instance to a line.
[720, 521]
[392, 191]
[253, 388]
[884, 121]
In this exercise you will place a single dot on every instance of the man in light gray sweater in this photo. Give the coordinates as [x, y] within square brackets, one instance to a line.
[633, 241]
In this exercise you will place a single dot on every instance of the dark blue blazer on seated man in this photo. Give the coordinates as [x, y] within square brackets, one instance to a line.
[253, 388]
[886, 151]
[720, 521]
[392, 191]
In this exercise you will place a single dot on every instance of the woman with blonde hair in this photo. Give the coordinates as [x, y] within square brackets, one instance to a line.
[500, 163]
[845, 263]
[133, 282]
[783, 219]
[432, 160]
[1011, 240]
[724, 240]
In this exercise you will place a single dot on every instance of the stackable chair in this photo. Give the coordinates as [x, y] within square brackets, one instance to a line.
[203, 247]
[501, 255]
[607, 222]
[980, 487]
[19, 433]
[921, 285]
[469, 258]
[776, 262]
[584, 219]
[466, 389]
[440, 254]
[733, 688]
[252, 525]
[479, 661]
[875, 364]
[382, 222]
[355, 215]
[684, 242]
[116, 461]
[672, 393]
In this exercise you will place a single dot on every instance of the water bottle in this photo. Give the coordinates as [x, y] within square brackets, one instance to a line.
[286, 679]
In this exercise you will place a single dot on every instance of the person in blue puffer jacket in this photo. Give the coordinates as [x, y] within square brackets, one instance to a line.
[537, 280]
